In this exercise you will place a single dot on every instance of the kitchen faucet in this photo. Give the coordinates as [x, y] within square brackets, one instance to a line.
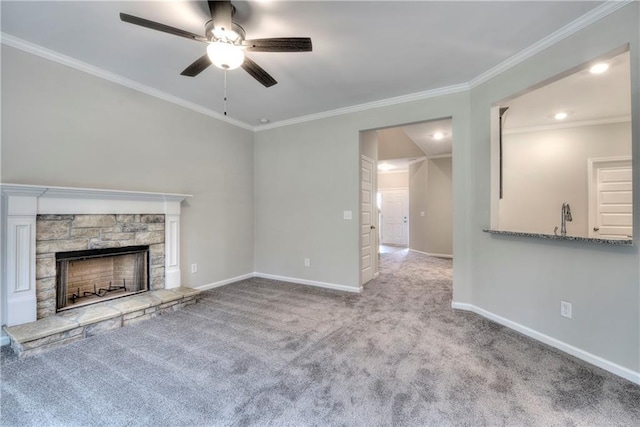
[566, 216]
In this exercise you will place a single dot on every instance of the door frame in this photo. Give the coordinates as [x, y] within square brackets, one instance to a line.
[593, 164]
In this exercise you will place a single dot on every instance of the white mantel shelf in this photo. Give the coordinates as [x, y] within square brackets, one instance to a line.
[23, 203]
[88, 193]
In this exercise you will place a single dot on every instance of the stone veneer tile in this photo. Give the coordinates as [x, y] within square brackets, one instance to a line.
[50, 346]
[50, 246]
[90, 221]
[125, 218]
[166, 295]
[104, 326]
[149, 237]
[134, 303]
[186, 292]
[40, 328]
[152, 218]
[88, 233]
[52, 230]
[52, 338]
[45, 266]
[90, 314]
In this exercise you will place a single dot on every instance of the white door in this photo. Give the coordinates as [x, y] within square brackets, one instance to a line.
[611, 203]
[395, 217]
[367, 228]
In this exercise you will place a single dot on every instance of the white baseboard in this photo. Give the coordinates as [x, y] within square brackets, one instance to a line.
[310, 282]
[282, 279]
[224, 282]
[430, 254]
[567, 348]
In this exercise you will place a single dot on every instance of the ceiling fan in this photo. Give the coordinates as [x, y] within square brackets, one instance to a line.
[226, 43]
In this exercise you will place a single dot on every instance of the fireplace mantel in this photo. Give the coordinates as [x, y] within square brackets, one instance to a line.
[22, 203]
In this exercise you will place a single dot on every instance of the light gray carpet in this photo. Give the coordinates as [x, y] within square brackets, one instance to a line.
[261, 352]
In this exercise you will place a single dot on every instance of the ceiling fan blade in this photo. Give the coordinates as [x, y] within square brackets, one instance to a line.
[258, 73]
[161, 27]
[281, 44]
[197, 67]
[221, 12]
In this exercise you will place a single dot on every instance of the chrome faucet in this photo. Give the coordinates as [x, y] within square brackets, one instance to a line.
[566, 216]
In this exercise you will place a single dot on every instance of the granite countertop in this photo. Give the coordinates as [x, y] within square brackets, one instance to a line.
[619, 242]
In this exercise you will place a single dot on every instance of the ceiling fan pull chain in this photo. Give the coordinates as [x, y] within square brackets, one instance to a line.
[225, 91]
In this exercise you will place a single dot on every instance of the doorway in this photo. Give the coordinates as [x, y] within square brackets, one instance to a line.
[610, 198]
[394, 217]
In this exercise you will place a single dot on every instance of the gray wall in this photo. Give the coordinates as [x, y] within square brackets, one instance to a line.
[543, 169]
[64, 127]
[299, 199]
[393, 180]
[430, 191]
[523, 279]
[394, 143]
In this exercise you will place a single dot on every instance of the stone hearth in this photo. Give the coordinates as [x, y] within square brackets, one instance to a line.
[72, 325]
[38, 221]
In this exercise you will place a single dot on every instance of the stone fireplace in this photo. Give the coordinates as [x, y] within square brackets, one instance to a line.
[98, 275]
[47, 229]
[86, 240]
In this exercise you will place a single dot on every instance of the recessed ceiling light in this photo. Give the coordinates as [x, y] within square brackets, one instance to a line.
[438, 135]
[560, 116]
[599, 68]
[384, 167]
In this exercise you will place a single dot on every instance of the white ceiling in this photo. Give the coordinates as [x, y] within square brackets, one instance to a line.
[422, 135]
[363, 51]
[584, 96]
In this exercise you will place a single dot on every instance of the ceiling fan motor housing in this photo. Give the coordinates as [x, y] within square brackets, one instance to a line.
[212, 35]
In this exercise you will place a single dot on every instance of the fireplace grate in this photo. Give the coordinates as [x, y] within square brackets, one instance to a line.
[96, 275]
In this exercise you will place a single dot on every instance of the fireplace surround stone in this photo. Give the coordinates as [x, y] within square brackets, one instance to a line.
[102, 218]
[64, 233]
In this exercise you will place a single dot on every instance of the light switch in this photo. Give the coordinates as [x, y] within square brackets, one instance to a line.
[421, 213]
[348, 215]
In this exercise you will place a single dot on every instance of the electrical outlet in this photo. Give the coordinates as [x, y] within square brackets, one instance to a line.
[194, 268]
[307, 262]
[565, 309]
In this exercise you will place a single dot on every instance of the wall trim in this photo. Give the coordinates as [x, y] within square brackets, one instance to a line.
[580, 23]
[315, 283]
[309, 282]
[449, 256]
[598, 361]
[224, 282]
[431, 93]
[440, 156]
[599, 12]
[54, 56]
[555, 126]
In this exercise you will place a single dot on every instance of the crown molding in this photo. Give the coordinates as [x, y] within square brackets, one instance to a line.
[599, 12]
[567, 125]
[432, 93]
[54, 56]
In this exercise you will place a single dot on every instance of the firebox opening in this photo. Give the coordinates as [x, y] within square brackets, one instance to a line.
[97, 275]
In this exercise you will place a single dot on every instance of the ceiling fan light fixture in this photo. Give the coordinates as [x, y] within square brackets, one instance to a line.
[226, 56]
